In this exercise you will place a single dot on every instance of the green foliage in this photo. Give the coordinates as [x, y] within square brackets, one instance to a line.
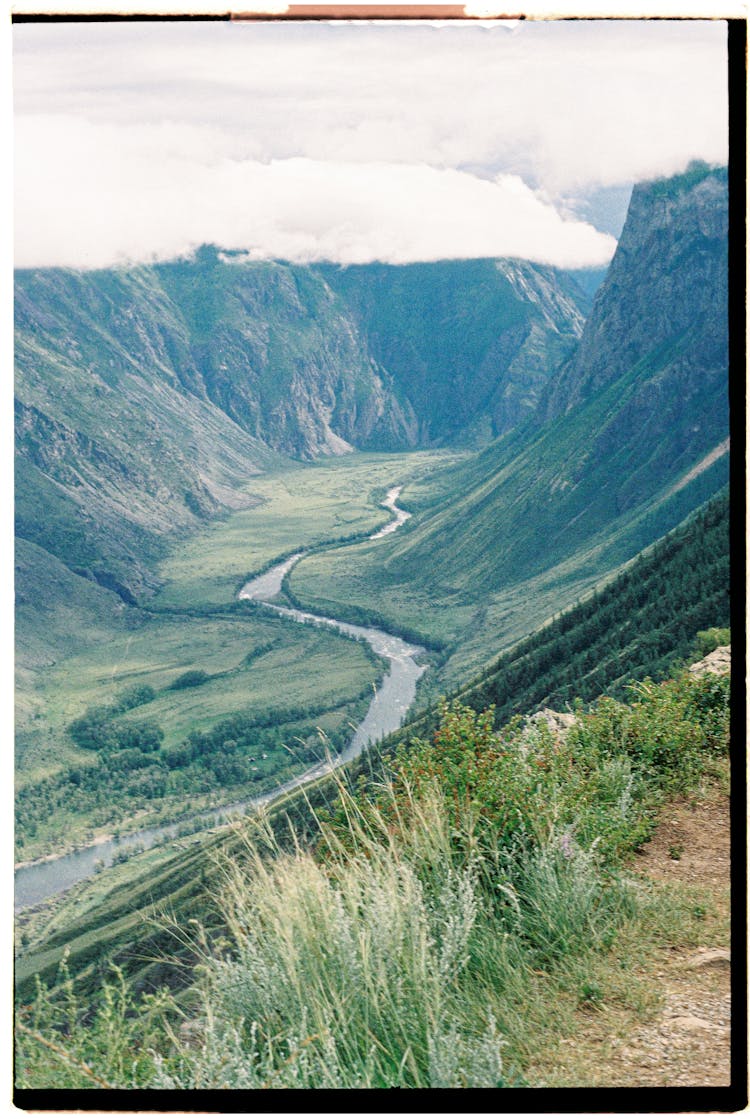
[117, 682]
[243, 755]
[562, 902]
[668, 732]
[193, 678]
[706, 640]
[403, 951]
[342, 976]
[61, 1044]
[503, 791]
[135, 696]
[597, 784]
[96, 730]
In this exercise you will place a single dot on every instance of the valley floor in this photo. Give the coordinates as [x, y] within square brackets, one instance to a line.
[198, 663]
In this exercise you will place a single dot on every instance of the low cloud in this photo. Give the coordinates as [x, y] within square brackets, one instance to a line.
[347, 142]
[113, 201]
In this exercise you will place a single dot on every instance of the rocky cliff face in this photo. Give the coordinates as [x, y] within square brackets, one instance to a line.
[469, 344]
[667, 282]
[278, 352]
[659, 327]
[315, 361]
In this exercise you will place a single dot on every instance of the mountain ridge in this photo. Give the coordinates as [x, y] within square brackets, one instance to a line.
[616, 465]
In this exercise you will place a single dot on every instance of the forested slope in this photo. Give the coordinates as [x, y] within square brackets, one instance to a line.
[638, 625]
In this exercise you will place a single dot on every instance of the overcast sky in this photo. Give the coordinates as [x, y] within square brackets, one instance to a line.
[352, 142]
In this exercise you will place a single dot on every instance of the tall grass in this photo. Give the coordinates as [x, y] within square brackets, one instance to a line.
[347, 972]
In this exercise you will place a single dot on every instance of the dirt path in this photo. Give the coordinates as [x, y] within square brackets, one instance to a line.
[680, 1036]
[688, 1042]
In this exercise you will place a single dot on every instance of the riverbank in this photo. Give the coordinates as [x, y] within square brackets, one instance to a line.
[46, 877]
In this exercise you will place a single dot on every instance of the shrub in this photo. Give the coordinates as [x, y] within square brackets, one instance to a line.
[134, 696]
[562, 904]
[193, 678]
[347, 974]
[60, 1043]
[668, 732]
[706, 640]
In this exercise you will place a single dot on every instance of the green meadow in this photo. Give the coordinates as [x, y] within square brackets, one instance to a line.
[310, 684]
[304, 506]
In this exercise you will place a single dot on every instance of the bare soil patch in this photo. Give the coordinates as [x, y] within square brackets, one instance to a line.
[676, 1033]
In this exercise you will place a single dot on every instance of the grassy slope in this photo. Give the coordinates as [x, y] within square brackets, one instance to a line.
[96, 918]
[638, 624]
[114, 455]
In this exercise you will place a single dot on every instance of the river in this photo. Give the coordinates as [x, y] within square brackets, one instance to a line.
[46, 878]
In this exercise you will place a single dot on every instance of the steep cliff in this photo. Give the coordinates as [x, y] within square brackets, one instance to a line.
[665, 295]
[469, 343]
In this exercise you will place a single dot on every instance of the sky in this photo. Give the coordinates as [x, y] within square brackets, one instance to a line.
[353, 142]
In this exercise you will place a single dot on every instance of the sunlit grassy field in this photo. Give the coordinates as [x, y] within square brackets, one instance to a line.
[308, 682]
[305, 663]
[296, 508]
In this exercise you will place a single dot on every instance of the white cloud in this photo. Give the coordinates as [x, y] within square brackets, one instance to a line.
[350, 141]
[139, 198]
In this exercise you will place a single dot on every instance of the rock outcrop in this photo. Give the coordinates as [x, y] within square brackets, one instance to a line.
[717, 663]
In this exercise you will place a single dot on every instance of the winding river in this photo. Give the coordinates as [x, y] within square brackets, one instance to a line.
[46, 878]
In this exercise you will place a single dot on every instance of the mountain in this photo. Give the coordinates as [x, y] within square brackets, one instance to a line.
[469, 343]
[112, 454]
[146, 396]
[665, 298]
[630, 436]
[274, 348]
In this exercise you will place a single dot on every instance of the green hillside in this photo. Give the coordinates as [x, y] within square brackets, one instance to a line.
[146, 397]
[641, 623]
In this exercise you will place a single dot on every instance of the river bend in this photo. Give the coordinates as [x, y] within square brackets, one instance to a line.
[46, 878]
